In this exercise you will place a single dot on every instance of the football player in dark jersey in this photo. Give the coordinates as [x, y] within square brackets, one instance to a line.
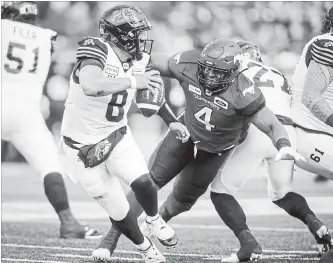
[221, 102]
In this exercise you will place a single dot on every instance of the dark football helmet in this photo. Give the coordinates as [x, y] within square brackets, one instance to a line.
[218, 66]
[250, 50]
[126, 27]
[21, 11]
[328, 21]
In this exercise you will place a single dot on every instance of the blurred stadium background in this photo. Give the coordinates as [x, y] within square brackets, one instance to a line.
[280, 29]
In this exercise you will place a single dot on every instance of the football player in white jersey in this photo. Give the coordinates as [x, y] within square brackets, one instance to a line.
[255, 151]
[26, 58]
[96, 139]
[312, 102]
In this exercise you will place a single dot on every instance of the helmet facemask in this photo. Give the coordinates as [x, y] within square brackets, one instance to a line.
[214, 80]
[130, 35]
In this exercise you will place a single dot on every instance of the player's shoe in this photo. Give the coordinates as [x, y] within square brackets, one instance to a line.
[320, 233]
[145, 230]
[152, 254]
[106, 247]
[162, 231]
[78, 231]
[101, 254]
[250, 249]
[327, 257]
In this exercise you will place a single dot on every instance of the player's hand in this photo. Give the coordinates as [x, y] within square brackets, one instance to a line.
[288, 153]
[149, 80]
[181, 130]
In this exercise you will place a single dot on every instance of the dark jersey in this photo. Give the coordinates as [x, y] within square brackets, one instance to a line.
[216, 122]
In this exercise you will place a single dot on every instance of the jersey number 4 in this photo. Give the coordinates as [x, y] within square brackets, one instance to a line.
[204, 116]
[17, 69]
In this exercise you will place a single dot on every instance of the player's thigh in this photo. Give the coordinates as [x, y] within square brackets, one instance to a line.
[201, 172]
[94, 180]
[126, 161]
[242, 163]
[280, 177]
[169, 159]
[38, 147]
[280, 174]
[318, 152]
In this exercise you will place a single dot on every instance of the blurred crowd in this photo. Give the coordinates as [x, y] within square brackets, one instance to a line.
[281, 29]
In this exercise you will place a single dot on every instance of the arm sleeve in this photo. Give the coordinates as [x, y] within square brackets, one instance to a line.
[92, 49]
[321, 51]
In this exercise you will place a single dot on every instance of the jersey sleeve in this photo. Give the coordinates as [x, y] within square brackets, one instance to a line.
[249, 98]
[92, 51]
[178, 62]
[321, 51]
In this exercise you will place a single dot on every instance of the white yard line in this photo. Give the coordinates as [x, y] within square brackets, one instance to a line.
[284, 253]
[32, 260]
[219, 227]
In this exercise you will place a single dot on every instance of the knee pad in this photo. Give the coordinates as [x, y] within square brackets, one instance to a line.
[175, 207]
[143, 182]
[93, 186]
[221, 190]
[277, 195]
[219, 187]
[115, 205]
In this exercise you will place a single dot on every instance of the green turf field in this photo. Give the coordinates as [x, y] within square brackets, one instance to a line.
[30, 228]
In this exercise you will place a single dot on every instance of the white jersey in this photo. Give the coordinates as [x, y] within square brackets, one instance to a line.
[273, 85]
[319, 49]
[89, 119]
[26, 58]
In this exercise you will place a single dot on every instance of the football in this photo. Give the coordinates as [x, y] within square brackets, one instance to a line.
[149, 103]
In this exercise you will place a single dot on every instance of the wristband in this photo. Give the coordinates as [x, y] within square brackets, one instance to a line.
[283, 142]
[133, 82]
[166, 114]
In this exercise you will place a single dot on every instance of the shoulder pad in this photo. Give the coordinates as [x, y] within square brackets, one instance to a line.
[91, 47]
[249, 99]
[322, 52]
[178, 62]
[189, 56]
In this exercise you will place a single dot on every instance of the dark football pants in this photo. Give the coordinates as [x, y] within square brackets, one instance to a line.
[170, 158]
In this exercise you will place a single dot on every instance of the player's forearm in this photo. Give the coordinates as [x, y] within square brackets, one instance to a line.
[266, 121]
[322, 110]
[166, 114]
[95, 84]
[160, 62]
[317, 80]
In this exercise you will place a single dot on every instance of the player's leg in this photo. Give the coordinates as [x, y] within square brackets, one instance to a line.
[137, 176]
[36, 144]
[106, 190]
[190, 186]
[317, 150]
[169, 157]
[281, 194]
[280, 176]
[236, 171]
